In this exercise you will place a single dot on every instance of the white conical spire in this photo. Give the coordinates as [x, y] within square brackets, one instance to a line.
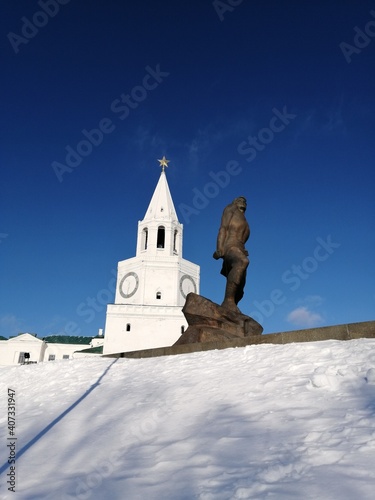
[161, 206]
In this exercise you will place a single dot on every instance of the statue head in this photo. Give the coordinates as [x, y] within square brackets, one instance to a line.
[241, 204]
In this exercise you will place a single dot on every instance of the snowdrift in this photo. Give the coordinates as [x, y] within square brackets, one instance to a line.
[278, 421]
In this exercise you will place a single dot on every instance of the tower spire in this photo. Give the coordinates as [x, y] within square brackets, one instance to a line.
[161, 206]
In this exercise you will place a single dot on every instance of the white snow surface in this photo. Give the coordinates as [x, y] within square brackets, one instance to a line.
[291, 421]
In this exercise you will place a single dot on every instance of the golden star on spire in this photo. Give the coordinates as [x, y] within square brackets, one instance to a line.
[163, 163]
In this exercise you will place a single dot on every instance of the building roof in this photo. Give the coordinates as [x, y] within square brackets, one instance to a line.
[25, 337]
[23, 333]
[93, 350]
[161, 206]
[67, 339]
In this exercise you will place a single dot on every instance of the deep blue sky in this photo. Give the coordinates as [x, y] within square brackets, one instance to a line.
[221, 81]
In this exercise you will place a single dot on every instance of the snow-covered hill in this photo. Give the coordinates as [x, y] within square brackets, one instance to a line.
[267, 421]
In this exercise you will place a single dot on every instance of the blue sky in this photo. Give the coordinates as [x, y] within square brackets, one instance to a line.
[255, 98]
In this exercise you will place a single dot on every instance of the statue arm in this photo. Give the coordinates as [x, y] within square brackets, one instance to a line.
[221, 237]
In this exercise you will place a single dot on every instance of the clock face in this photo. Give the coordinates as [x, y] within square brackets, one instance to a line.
[129, 285]
[187, 285]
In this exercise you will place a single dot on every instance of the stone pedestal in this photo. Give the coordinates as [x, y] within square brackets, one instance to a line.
[209, 322]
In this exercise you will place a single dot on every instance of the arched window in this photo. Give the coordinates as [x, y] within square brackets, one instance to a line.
[182, 329]
[128, 327]
[144, 238]
[158, 295]
[160, 242]
[175, 240]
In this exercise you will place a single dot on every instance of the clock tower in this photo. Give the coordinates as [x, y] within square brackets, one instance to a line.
[152, 286]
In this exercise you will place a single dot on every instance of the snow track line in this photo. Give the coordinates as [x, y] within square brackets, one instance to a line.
[44, 431]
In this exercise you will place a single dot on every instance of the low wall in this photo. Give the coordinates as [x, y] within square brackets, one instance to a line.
[337, 332]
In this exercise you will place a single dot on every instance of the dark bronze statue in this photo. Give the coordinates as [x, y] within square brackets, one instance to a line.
[233, 234]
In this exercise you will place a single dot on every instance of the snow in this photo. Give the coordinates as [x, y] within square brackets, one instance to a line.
[291, 421]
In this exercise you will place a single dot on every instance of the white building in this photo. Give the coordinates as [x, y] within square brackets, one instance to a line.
[152, 286]
[28, 348]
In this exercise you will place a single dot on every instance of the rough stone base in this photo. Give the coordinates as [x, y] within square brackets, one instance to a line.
[209, 322]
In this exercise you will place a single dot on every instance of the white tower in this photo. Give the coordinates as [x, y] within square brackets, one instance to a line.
[152, 286]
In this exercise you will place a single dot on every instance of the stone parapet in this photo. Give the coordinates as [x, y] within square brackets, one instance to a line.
[348, 331]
